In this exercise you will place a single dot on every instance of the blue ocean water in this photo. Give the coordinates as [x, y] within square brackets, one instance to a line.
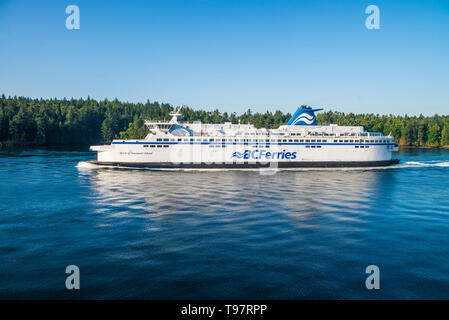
[222, 234]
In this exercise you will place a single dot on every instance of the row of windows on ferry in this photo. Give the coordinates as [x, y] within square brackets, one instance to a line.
[275, 140]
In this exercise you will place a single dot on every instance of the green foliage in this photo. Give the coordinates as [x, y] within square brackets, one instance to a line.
[415, 131]
[87, 121]
[136, 130]
[445, 135]
[434, 135]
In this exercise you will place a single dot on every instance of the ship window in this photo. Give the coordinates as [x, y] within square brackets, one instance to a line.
[318, 146]
[293, 134]
[324, 141]
[186, 139]
[223, 139]
[312, 140]
[145, 146]
[172, 139]
[285, 140]
[357, 147]
[307, 146]
[179, 139]
[318, 141]
[290, 140]
[335, 140]
[366, 146]
[356, 140]
[191, 140]
[165, 145]
[302, 140]
[346, 140]
[198, 139]
[159, 146]
[279, 140]
[159, 139]
[362, 147]
[165, 139]
[351, 140]
[152, 146]
[296, 140]
[313, 146]
[211, 139]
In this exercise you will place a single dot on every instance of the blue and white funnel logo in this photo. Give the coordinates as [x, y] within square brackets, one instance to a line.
[303, 116]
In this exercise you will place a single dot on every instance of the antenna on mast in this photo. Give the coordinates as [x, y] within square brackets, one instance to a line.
[176, 113]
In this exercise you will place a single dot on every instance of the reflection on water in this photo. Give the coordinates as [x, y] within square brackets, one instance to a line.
[293, 195]
[223, 234]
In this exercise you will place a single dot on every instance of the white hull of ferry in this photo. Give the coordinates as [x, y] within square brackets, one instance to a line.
[159, 155]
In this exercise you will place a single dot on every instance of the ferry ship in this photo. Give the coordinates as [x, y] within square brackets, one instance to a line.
[299, 143]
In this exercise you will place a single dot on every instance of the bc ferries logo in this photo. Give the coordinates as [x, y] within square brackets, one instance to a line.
[303, 116]
[264, 155]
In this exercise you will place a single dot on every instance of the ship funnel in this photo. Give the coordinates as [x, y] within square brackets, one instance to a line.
[304, 116]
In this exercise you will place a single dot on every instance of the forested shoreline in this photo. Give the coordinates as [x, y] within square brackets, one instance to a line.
[63, 122]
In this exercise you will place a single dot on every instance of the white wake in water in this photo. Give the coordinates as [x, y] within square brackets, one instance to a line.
[83, 165]
[412, 164]
[87, 165]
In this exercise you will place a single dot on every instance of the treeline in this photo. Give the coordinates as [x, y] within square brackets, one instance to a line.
[55, 122]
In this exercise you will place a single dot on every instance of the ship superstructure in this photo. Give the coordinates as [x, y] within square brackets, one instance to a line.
[299, 143]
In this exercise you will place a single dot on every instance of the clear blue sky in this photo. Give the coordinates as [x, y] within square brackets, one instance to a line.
[232, 55]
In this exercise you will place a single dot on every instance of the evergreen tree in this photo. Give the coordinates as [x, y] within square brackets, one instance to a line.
[434, 135]
[445, 135]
